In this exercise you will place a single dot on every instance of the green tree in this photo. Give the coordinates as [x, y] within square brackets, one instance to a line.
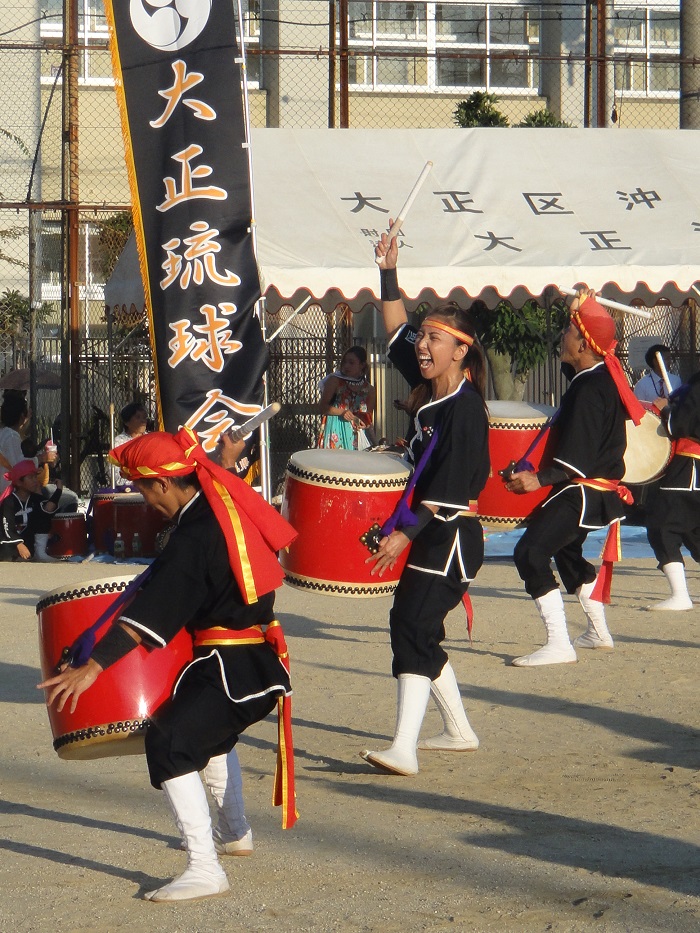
[543, 118]
[111, 239]
[479, 109]
[14, 312]
[515, 341]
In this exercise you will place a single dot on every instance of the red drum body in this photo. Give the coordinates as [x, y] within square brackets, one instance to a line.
[112, 717]
[68, 536]
[649, 450]
[332, 497]
[132, 515]
[513, 426]
[102, 507]
[128, 513]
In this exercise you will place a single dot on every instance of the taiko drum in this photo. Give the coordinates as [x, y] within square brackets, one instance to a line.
[68, 536]
[332, 497]
[127, 513]
[513, 426]
[111, 717]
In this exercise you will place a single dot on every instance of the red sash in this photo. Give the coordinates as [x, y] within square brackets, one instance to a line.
[686, 447]
[612, 548]
[283, 793]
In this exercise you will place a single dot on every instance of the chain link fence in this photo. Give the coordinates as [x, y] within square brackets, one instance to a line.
[344, 63]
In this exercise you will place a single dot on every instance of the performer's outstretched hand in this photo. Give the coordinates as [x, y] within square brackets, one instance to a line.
[71, 682]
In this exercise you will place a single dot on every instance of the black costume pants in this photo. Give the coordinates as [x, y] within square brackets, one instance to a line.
[198, 723]
[673, 519]
[554, 531]
[417, 621]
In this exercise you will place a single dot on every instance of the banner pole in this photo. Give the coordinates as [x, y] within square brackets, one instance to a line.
[265, 480]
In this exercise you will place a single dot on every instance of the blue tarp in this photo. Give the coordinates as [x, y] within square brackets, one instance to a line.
[634, 542]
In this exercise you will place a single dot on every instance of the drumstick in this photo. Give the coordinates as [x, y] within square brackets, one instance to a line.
[607, 303]
[396, 226]
[664, 372]
[238, 433]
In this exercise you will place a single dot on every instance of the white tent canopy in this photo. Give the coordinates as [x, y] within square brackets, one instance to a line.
[504, 213]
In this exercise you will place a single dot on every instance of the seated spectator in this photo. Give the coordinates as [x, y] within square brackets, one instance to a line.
[651, 386]
[25, 516]
[134, 418]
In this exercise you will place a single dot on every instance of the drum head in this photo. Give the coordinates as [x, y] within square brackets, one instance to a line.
[116, 584]
[517, 415]
[346, 465]
[649, 450]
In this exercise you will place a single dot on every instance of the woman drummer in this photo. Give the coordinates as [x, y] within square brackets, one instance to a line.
[449, 450]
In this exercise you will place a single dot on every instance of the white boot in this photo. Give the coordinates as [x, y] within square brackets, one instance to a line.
[557, 649]
[457, 735]
[232, 833]
[596, 634]
[679, 599]
[413, 692]
[204, 876]
[40, 544]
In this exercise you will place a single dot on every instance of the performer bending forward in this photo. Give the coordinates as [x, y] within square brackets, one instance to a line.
[216, 576]
[589, 446]
[445, 367]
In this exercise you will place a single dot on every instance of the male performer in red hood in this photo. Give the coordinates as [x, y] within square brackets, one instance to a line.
[217, 576]
[589, 445]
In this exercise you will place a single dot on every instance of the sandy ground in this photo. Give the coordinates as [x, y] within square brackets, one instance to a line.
[579, 812]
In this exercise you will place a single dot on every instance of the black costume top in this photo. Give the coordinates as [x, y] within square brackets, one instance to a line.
[682, 417]
[192, 585]
[21, 521]
[589, 440]
[456, 471]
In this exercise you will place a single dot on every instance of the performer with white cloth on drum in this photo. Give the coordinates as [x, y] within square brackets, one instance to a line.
[652, 385]
[588, 450]
[673, 516]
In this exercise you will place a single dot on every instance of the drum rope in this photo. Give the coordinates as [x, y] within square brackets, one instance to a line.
[79, 652]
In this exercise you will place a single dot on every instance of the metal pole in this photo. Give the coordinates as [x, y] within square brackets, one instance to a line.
[690, 73]
[110, 389]
[331, 65]
[264, 449]
[34, 292]
[344, 65]
[265, 481]
[70, 366]
[601, 52]
[588, 26]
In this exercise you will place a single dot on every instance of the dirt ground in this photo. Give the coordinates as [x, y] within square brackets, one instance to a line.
[580, 811]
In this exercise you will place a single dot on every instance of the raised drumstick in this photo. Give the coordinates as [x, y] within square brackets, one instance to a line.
[664, 372]
[396, 226]
[607, 303]
[238, 433]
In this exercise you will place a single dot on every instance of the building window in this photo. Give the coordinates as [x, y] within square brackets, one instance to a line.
[647, 51]
[453, 46]
[93, 35]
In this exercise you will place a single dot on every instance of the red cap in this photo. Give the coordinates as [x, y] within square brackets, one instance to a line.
[21, 469]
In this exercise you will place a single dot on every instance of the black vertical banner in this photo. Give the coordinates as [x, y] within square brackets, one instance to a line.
[179, 88]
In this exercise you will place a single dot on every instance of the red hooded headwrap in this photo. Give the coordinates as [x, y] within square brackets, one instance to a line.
[598, 329]
[254, 530]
